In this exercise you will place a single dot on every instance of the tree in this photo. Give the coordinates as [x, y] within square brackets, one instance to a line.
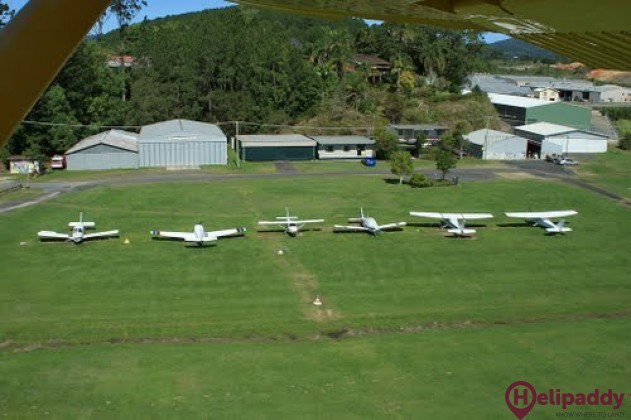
[421, 139]
[401, 164]
[444, 154]
[625, 141]
[386, 142]
[5, 14]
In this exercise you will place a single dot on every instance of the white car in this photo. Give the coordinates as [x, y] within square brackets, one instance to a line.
[568, 162]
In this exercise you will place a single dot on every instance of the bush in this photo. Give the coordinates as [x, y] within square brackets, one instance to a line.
[420, 181]
[625, 142]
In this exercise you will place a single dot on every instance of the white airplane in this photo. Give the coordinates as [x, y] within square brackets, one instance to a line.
[199, 235]
[78, 234]
[291, 224]
[367, 224]
[542, 218]
[454, 222]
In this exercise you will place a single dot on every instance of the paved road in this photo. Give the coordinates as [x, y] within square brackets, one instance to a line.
[537, 168]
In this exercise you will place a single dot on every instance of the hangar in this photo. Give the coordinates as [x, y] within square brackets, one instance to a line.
[496, 145]
[345, 147]
[516, 110]
[559, 139]
[113, 149]
[261, 147]
[182, 143]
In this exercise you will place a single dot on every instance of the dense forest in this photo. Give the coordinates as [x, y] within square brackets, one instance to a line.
[270, 69]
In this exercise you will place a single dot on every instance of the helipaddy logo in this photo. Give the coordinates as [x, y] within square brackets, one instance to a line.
[521, 397]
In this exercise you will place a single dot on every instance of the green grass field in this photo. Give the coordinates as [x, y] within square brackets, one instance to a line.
[414, 324]
[611, 170]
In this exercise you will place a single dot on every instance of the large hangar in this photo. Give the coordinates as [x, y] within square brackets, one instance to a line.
[559, 139]
[516, 110]
[496, 145]
[182, 143]
[113, 149]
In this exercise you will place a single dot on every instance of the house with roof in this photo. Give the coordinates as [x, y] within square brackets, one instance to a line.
[377, 67]
[113, 149]
[344, 147]
[549, 139]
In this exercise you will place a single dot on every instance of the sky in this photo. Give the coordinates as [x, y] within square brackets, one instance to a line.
[161, 8]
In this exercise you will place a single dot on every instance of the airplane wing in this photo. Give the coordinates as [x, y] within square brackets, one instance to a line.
[599, 40]
[301, 222]
[85, 224]
[474, 216]
[186, 236]
[392, 226]
[47, 234]
[101, 234]
[541, 214]
[340, 228]
[430, 215]
[276, 223]
[226, 232]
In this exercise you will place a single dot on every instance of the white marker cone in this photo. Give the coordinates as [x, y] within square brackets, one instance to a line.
[127, 241]
[317, 301]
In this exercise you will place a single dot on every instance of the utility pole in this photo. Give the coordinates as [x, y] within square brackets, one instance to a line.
[237, 143]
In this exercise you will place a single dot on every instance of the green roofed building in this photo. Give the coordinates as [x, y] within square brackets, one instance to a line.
[265, 147]
[517, 110]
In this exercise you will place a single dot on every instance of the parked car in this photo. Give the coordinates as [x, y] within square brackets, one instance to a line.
[568, 162]
[58, 162]
[369, 162]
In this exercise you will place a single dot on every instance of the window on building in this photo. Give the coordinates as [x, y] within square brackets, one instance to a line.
[347, 148]
[329, 149]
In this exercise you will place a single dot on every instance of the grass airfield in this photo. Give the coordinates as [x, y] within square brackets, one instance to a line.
[413, 323]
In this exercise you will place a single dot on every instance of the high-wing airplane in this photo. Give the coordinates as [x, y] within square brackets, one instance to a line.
[78, 234]
[291, 224]
[199, 235]
[542, 219]
[454, 222]
[367, 224]
[597, 34]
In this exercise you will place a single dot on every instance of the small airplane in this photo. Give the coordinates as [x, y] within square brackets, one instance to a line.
[368, 224]
[78, 234]
[542, 219]
[291, 224]
[199, 235]
[454, 222]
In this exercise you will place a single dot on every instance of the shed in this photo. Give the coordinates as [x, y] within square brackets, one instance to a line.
[517, 110]
[559, 139]
[182, 143]
[498, 145]
[23, 165]
[113, 149]
[262, 147]
[345, 147]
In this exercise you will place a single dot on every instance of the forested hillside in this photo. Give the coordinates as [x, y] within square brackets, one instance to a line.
[245, 64]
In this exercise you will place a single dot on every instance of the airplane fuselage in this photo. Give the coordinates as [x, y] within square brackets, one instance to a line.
[77, 234]
[292, 229]
[371, 224]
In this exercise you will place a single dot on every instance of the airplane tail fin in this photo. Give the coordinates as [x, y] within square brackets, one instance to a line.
[80, 217]
[287, 213]
[559, 228]
[361, 212]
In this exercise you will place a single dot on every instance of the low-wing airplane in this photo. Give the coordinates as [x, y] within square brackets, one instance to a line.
[199, 235]
[367, 224]
[454, 222]
[78, 234]
[291, 224]
[542, 218]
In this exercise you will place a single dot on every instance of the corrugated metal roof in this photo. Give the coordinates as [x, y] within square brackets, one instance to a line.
[116, 138]
[546, 129]
[495, 84]
[424, 127]
[275, 140]
[486, 136]
[181, 130]
[516, 101]
[342, 140]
